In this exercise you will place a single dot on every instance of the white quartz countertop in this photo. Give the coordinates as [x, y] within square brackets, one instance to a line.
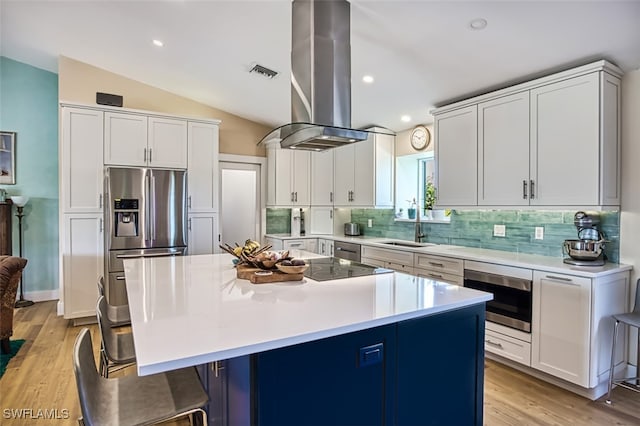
[498, 257]
[190, 310]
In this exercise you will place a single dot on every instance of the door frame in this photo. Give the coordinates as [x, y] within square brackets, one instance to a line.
[247, 159]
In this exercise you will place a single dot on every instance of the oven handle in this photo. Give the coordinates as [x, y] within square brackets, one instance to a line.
[501, 280]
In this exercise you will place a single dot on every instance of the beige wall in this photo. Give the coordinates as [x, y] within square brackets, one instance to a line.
[403, 143]
[79, 82]
[630, 216]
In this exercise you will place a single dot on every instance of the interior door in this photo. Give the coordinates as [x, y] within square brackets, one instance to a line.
[240, 202]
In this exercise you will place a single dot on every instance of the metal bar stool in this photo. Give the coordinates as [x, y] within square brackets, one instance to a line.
[118, 314]
[117, 350]
[134, 400]
[631, 319]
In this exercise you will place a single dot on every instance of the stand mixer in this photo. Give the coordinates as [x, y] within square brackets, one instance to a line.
[588, 250]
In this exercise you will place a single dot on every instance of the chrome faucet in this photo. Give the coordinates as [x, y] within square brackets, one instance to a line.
[419, 234]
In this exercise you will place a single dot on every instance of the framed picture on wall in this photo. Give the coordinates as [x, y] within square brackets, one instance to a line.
[7, 158]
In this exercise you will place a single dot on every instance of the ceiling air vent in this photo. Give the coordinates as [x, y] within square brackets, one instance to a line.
[263, 71]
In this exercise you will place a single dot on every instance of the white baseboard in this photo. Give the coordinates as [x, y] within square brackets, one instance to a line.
[40, 296]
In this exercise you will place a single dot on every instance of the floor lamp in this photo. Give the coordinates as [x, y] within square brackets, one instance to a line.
[20, 202]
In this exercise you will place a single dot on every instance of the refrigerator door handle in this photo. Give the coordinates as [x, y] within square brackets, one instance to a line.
[153, 211]
[147, 207]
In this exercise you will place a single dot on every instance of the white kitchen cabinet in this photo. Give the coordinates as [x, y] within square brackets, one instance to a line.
[167, 143]
[325, 247]
[322, 178]
[503, 151]
[456, 154]
[566, 153]
[275, 243]
[364, 172]
[81, 253]
[398, 260]
[560, 326]
[288, 177]
[203, 236]
[440, 268]
[569, 164]
[144, 141]
[81, 160]
[202, 170]
[572, 327]
[321, 220]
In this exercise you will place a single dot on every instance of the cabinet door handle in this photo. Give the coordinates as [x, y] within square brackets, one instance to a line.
[150, 154]
[189, 224]
[292, 197]
[296, 196]
[189, 201]
[524, 189]
[120, 278]
[144, 156]
[563, 279]
[101, 225]
[495, 345]
[435, 275]
[330, 214]
[532, 189]
[440, 265]
[331, 197]
[100, 201]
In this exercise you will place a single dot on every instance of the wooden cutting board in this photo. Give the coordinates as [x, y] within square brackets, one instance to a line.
[244, 272]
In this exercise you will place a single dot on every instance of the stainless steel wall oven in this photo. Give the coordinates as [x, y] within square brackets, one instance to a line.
[511, 304]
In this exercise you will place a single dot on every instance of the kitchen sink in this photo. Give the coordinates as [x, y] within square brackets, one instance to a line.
[406, 244]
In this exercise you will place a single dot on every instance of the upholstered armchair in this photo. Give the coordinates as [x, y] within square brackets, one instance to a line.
[10, 272]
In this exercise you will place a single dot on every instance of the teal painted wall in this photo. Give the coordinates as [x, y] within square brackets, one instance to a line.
[29, 106]
[474, 228]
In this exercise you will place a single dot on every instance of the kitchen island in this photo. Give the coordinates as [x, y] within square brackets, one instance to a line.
[382, 349]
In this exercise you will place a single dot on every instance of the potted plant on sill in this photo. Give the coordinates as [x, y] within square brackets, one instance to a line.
[429, 198]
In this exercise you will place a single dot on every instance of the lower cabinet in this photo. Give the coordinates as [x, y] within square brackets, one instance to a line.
[82, 248]
[572, 327]
[398, 260]
[409, 373]
[560, 326]
[440, 268]
[203, 233]
[325, 247]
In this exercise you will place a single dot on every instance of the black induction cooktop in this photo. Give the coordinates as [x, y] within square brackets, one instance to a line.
[332, 268]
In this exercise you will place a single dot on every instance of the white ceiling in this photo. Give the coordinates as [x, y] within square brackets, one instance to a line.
[421, 53]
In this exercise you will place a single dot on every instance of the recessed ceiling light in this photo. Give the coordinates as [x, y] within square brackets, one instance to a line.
[158, 43]
[478, 24]
[405, 118]
[367, 79]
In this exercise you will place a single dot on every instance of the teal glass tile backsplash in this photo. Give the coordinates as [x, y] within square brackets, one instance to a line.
[278, 221]
[474, 228]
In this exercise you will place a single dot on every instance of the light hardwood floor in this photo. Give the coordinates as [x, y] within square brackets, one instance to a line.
[41, 377]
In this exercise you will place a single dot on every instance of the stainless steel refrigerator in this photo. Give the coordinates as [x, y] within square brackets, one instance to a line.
[145, 216]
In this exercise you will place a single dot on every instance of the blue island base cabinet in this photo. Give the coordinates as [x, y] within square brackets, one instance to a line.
[424, 371]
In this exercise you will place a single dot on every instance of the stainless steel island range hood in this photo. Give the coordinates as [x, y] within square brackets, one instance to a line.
[320, 78]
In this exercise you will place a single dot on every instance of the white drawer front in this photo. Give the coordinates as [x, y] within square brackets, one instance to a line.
[440, 276]
[373, 262]
[508, 347]
[400, 267]
[393, 256]
[294, 244]
[447, 265]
